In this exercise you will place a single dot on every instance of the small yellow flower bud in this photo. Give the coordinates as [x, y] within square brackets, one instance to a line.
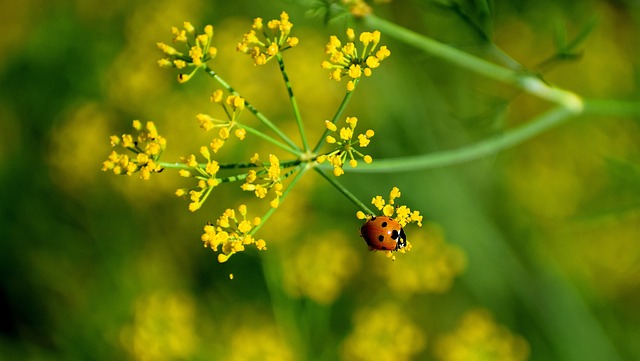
[189, 28]
[330, 139]
[361, 215]
[216, 97]
[165, 63]
[208, 29]
[350, 34]
[368, 159]
[329, 125]
[292, 41]
[351, 86]
[204, 151]
[353, 163]
[240, 133]
[184, 173]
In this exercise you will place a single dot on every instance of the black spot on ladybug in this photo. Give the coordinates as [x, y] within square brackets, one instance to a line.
[394, 235]
[380, 238]
[384, 224]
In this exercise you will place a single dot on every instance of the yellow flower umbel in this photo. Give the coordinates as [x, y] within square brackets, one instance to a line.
[478, 337]
[232, 233]
[197, 50]
[263, 43]
[346, 146]
[401, 214]
[233, 106]
[147, 147]
[347, 60]
[268, 178]
[206, 176]
[402, 339]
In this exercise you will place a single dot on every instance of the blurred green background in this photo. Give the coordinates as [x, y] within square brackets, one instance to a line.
[533, 253]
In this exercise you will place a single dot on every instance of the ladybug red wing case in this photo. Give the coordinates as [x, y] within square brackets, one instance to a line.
[383, 234]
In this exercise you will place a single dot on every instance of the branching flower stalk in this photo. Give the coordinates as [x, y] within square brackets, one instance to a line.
[271, 178]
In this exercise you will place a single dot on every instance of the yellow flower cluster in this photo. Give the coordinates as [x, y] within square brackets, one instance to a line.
[206, 175]
[268, 178]
[232, 234]
[147, 147]
[233, 106]
[177, 339]
[197, 51]
[346, 146]
[403, 214]
[263, 43]
[348, 61]
[317, 269]
[479, 338]
[358, 8]
[401, 338]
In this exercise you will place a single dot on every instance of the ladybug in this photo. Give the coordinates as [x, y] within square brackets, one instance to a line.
[383, 234]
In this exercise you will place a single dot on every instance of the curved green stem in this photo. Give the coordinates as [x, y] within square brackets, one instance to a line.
[294, 103]
[336, 116]
[546, 121]
[253, 110]
[363, 207]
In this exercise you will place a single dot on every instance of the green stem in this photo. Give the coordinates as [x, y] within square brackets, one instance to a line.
[363, 207]
[526, 82]
[335, 118]
[253, 110]
[546, 121]
[295, 151]
[294, 103]
[177, 165]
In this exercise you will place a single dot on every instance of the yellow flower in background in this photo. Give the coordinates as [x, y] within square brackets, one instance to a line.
[479, 338]
[258, 342]
[431, 267]
[147, 148]
[383, 333]
[318, 269]
[346, 146]
[232, 233]
[163, 328]
[358, 8]
[348, 60]
[262, 43]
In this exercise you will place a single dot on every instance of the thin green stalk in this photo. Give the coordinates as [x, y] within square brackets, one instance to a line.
[363, 207]
[294, 103]
[253, 110]
[526, 82]
[546, 121]
[335, 118]
[301, 170]
[296, 151]
[177, 165]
